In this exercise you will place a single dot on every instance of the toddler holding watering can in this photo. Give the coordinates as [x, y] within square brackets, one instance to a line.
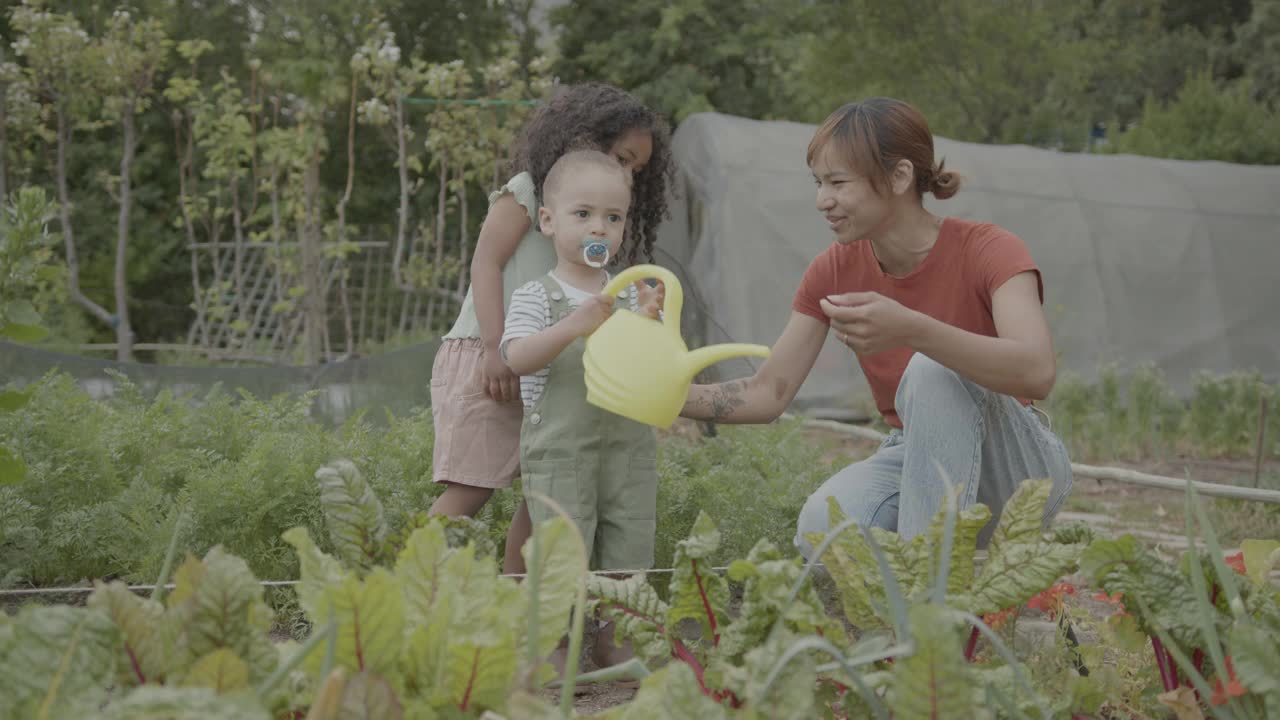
[474, 396]
[598, 466]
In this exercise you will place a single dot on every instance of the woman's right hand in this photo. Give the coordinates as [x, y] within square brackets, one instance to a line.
[499, 382]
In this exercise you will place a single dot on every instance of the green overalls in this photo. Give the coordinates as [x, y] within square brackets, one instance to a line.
[600, 467]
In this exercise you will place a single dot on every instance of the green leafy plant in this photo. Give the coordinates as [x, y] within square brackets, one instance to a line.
[106, 479]
[1136, 415]
[1203, 619]
[730, 653]
[920, 594]
[26, 271]
[437, 634]
[435, 629]
[1022, 560]
[761, 476]
[202, 651]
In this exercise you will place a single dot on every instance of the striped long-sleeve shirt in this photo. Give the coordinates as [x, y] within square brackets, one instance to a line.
[530, 314]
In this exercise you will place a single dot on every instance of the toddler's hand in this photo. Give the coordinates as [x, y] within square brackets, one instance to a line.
[590, 315]
[650, 299]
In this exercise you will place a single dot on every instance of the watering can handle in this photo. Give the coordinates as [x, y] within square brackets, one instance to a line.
[675, 296]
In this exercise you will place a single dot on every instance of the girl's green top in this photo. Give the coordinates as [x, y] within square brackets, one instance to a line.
[533, 258]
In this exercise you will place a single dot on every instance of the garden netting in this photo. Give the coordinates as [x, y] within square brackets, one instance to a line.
[395, 381]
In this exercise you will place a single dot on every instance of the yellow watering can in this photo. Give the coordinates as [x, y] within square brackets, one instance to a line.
[640, 368]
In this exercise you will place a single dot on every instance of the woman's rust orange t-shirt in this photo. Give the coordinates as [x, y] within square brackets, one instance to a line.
[954, 284]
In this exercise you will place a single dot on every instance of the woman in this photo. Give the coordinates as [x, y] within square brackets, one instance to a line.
[945, 317]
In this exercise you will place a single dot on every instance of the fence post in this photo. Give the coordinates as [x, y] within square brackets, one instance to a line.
[1260, 450]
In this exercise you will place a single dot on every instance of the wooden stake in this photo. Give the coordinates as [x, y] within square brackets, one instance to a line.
[1260, 450]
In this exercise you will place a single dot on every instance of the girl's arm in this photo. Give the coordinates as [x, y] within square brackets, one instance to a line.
[764, 396]
[504, 226]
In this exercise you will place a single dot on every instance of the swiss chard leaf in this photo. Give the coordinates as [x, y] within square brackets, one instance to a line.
[370, 622]
[148, 654]
[156, 702]
[464, 623]
[1255, 657]
[58, 662]
[369, 697]
[317, 572]
[767, 579]
[1016, 574]
[560, 563]
[853, 567]
[1022, 519]
[925, 548]
[1021, 561]
[420, 569]
[635, 609]
[1156, 592]
[699, 593]
[1260, 556]
[221, 671]
[353, 514]
[934, 681]
[218, 603]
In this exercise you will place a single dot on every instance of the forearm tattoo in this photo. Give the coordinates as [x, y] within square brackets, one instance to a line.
[727, 398]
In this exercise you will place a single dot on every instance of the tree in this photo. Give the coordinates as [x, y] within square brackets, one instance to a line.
[1021, 70]
[687, 56]
[980, 71]
[133, 52]
[27, 266]
[60, 70]
[6, 78]
[1257, 49]
[1207, 121]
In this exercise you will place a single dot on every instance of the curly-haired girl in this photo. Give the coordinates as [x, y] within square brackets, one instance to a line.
[475, 397]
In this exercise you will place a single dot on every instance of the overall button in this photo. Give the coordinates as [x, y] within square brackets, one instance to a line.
[557, 296]
[536, 419]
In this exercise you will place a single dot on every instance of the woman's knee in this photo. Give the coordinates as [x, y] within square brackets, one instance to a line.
[924, 371]
[814, 516]
[925, 380]
[860, 499]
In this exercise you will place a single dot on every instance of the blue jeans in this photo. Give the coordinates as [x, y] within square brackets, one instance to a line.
[985, 442]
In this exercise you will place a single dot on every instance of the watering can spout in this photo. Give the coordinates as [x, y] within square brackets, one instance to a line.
[697, 360]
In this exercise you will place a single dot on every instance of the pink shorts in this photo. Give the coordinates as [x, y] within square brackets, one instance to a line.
[477, 437]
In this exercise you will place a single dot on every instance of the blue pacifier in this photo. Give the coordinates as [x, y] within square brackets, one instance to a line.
[595, 252]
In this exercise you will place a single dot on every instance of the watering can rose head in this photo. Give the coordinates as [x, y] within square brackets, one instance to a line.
[640, 368]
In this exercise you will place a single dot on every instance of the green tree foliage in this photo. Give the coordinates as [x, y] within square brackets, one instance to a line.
[263, 91]
[299, 49]
[1257, 48]
[1026, 71]
[1206, 121]
[689, 56]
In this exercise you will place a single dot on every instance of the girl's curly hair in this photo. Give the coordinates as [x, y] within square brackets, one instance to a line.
[594, 115]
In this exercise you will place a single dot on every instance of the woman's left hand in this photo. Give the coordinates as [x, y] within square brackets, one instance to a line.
[868, 322]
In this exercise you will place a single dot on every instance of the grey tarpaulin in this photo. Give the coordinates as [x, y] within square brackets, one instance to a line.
[1145, 260]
